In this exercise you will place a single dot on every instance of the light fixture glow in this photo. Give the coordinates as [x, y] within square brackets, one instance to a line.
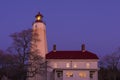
[38, 18]
[67, 65]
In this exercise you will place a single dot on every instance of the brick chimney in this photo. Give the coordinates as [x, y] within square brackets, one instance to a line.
[83, 48]
[54, 48]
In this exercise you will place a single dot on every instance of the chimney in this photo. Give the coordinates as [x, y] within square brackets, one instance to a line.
[54, 48]
[83, 48]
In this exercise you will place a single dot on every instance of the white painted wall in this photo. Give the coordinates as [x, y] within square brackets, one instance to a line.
[40, 29]
[81, 67]
[81, 64]
[41, 46]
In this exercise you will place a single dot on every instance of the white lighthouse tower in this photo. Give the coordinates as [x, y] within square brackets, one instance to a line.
[40, 29]
[39, 34]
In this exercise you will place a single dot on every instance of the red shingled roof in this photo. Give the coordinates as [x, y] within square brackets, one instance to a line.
[71, 55]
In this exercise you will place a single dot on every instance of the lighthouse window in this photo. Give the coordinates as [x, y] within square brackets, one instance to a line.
[35, 26]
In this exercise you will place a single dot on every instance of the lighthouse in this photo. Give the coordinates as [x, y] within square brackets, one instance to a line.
[39, 47]
[39, 28]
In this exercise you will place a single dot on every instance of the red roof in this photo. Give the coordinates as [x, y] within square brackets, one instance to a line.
[71, 55]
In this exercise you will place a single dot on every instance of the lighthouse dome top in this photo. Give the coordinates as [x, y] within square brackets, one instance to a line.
[39, 17]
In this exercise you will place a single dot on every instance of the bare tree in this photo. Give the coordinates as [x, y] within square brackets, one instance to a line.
[7, 62]
[110, 65]
[22, 48]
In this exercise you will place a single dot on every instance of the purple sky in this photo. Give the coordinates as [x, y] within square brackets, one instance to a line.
[69, 23]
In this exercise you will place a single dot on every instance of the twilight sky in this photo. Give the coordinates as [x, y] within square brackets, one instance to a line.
[69, 23]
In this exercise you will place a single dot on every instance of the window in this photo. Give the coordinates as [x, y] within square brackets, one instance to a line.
[59, 74]
[87, 65]
[35, 26]
[75, 66]
[69, 74]
[82, 75]
[55, 65]
[67, 65]
[91, 74]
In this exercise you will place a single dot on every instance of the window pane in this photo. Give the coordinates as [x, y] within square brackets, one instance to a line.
[87, 65]
[75, 66]
[91, 74]
[59, 74]
[69, 74]
[55, 65]
[67, 65]
[82, 75]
